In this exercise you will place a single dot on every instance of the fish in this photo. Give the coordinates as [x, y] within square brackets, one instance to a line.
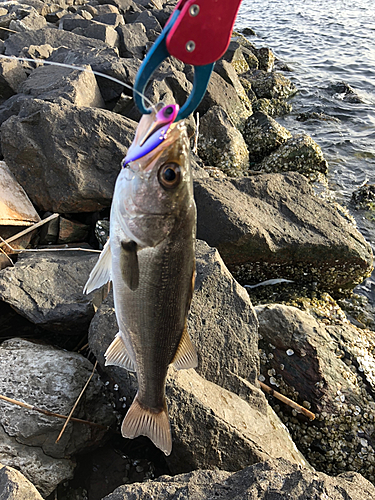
[150, 259]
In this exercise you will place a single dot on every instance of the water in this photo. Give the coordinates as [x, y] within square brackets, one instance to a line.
[325, 44]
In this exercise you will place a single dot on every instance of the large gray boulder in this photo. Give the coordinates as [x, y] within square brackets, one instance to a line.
[221, 143]
[75, 170]
[14, 486]
[51, 379]
[331, 370]
[270, 85]
[273, 226]
[46, 288]
[225, 430]
[268, 480]
[53, 83]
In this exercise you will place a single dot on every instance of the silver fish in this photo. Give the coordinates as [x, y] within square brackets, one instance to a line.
[150, 258]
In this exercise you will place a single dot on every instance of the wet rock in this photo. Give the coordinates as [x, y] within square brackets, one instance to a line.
[272, 226]
[14, 486]
[76, 169]
[53, 83]
[314, 115]
[345, 92]
[270, 85]
[264, 481]
[220, 93]
[332, 368]
[133, 40]
[221, 144]
[364, 198]
[263, 135]
[47, 290]
[266, 58]
[235, 57]
[12, 75]
[299, 153]
[272, 107]
[52, 379]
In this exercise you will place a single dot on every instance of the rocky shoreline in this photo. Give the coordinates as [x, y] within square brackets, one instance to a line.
[265, 239]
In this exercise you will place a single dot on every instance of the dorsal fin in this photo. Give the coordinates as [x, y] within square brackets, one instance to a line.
[118, 355]
[186, 354]
[101, 273]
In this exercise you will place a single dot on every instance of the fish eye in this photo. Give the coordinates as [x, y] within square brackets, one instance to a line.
[169, 175]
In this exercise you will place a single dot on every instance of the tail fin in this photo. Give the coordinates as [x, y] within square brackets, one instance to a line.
[143, 421]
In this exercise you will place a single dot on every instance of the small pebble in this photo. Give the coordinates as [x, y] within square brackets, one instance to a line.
[290, 352]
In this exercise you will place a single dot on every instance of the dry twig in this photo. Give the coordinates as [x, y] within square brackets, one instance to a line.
[76, 403]
[50, 413]
[289, 402]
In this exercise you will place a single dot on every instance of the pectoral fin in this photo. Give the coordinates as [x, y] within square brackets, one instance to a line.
[129, 264]
[118, 355]
[101, 273]
[186, 354]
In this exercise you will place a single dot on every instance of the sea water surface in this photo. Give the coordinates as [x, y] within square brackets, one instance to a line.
[324, 44]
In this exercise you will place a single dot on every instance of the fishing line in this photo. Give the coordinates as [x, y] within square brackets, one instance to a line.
[80, 68]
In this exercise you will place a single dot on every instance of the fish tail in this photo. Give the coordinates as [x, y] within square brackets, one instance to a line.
[144, 421]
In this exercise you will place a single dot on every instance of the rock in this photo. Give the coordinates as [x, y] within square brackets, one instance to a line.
[47, 290]
[32, 21]
[344, 91]
[52, 379]
[100, 31]
[299, 153]
[149, 21]
[270, 85]
[14, 486]
[133, 40]
[12, 75]
[72, 231]
[332, 368]
[226, 71]
[104, 61]
[220, 93]
[263, 135]
[70, 22]
[221, 144]
[272, 107]
[53, 37]
[235, 57]
[364, 198]
[264, 481]
[273, 226]
[266, 58]
[76, 169]
[53, 83]
[150, 4]
[111, 18]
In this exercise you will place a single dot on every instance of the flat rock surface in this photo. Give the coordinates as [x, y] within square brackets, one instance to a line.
[51, 379]
[268, 480]
[14, 486]
[273, 226]
[47, 289]
[75, 170]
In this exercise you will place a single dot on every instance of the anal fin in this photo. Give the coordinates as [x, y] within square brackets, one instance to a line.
[101, 273]
[186, 354]
[143, 421]
[118, 355]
